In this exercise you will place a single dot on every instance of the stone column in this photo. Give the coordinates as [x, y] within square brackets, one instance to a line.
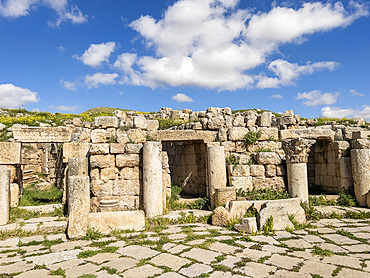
[216, 171]
[78, 205]
[5, 173]
[360, 160]
[296, 151]
[152, 179]
[78, 166]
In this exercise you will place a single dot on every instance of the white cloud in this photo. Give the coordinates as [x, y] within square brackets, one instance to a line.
[355, 93]
[277, 96]
[336, 112]
[68, 85]
[93, 81]
[61, 48]
[14, 97]
[213, 44]
[96, 54]
[287, 72]
[182, 98]
[18, 8]
[316, 97]
[66, 108]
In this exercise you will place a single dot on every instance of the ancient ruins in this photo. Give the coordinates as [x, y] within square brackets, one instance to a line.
[118, 170]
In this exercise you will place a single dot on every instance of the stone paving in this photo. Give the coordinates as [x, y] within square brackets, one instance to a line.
[330, 247]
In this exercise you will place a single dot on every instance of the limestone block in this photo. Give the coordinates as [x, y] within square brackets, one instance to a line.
[250, 118]
[175, 114]
[58, 134]
[99, 136]
[106, 121]
[78, 166]
[309, 133]
[268, 133]
[241, 171]
[345, 167]
[14, 195]
[5, 174]
[237, 133]
[239, 121]
[278, 213]
[126, 187]
[78, 205]
[127, 160]
[197, 126]
[360, 144]
[361, 134]
[229, 146]
[216, 122]
[220, 216]
[280, 170]
[360, 160]
[134, 148]
[240, 147]
[264, 119]
[116, 148]
[244, 183]
[270, 171]
[128, 202]
[102, 161]
[122, 136]
[289, 113]
[185, 135]
[274, 146]
[129, 173]
[120, 114]
[248, 225]
[224, 195]
[95, 174]
[140, 122]
[102, 148]
[257, 170]
[274, 183]
[348, 132]
[268, 158]
[136, 135]
[10, 153]
[105, 222]
[107, 174]
[100, 188]
[152, 125]
[286, 121]
[222, 134]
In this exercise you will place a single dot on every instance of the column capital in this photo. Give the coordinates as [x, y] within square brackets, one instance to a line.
[296, 150]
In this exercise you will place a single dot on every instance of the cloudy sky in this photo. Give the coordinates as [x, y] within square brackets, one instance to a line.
[70, 56]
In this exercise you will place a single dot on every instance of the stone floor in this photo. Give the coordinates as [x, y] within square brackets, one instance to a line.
[330, 247]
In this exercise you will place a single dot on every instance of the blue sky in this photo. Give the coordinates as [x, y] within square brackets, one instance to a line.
[70, 56]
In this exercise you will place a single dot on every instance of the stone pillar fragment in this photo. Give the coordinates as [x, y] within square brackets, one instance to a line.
[296, 151]
[216, 171]
[152, 179]
[14, 195]
[360, 160]
[78, 205]
[78, 166]
[5, 173]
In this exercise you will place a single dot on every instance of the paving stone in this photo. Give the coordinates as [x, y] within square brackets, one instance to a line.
[168, 246]
[30, 228]
[298, 243]
[121, 264]
[351, 229]
[223, 248]
[230, 261]
[196, 270]
[66, 264]
[17, 267]
[266, 239]
[81, 270]
[366, 228]
[177, 236]
[84, 242]
[10, 242]
[315, 267]
[282, 234]
[274, 249]
[333, 248]
[283, 261]
[306, 254]
[343, 260]
[220, 274]
[246, 244]
[173, 230]
[364, 256]
[102, 257]
[330, 221]
[322, 230]
[350, 273]
[171, 261]
[257, 270]
[177, 249]
[41, 219]
[219, 238]
[201, 255]
[300, 232]
[118, 244]
[253, 254]
[37, 273]
[313, 239]
[7, 259]
[196, 242]
[57, 236]
[281, 273]
[362, 235]
[105, 274]
[69, 245]
[142, 271]
[170, 275]
[26, 240]
[341, 240]
[357, 248]
[52, 258]
[137, 252]
[200, 229]
[201, 233]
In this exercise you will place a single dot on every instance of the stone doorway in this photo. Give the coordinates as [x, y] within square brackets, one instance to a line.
[188, 165]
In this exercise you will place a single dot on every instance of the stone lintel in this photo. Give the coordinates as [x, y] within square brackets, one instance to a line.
[184, 135]
[309, 133]
[10, 153]
[37, 134]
